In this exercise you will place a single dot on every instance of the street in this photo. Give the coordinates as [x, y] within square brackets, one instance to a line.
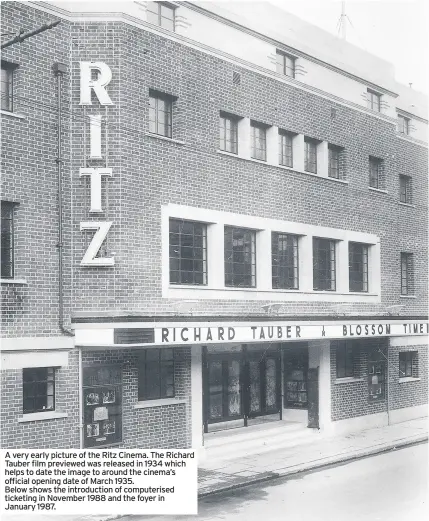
[389, 487]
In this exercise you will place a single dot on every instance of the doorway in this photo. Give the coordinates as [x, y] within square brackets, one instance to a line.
[240, 386]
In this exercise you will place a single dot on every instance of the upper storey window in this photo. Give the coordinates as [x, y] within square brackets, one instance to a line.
[7, 71]
[285, 64]
[403, 125]
[228, 133]
[160, 113]
[162, 14]
[373, 100]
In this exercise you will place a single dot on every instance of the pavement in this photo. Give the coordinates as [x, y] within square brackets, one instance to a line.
[215, 477]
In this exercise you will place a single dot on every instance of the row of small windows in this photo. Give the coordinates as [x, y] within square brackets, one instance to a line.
[188, 259]
[348, 362]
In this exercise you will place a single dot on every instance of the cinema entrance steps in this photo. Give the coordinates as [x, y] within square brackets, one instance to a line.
[256, 439]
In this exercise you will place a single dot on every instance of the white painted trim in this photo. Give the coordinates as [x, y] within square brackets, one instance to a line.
[164, 138]
[32, 343]
[39, 416]
[414, 141]
[178, 38]
[408, 413]
[148, 404]
[403, 341]
[377, 190]
[348, 380]
[26, 359]
[14, 281]
[12, 114]
[406, 204]
[288, 169]
[95, 337]
[408, 379]
[408, 296]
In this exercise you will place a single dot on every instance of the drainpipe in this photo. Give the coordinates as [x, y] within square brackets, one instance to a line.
[59, 70]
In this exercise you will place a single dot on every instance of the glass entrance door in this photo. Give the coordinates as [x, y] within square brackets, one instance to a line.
[296, 375]
[223, 388]
[264, 384]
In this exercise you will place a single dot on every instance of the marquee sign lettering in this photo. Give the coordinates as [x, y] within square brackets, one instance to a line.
[98, 85]
[281, 333]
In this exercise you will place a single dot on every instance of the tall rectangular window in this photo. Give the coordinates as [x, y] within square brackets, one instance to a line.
[323, 264]
[160, 113]
[375, 170]
[7, 71]
[358, 267]
[334, 162]
[162, 14]
[405, 189]
[188, 252]
[228, 133]
[240, 257]
[285, 149]
[403, 124]
[259, 141]
[284, 259]
[285, 64]
[310, 157]
[156, 374]
[7, 240]
[407, 274]
[373, 100]
[408, 364]
[38, 386]
[345, 358]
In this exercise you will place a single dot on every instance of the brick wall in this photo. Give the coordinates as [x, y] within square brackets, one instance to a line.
[350, 399]
[167, 426]
[41, 434]
[410, 393]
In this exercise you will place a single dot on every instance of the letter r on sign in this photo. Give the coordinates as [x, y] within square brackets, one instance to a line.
[98, 85]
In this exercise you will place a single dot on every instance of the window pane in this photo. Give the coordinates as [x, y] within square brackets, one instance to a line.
[323, 264]
[6, 89]
[310, 159]
[358, 267]
[38, 389]
[285, 150]
[240, 257]
[6, 240]
[188, 252]
[284, 252]
[259, 143]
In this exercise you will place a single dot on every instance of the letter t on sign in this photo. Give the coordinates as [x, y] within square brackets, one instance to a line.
[95, 174]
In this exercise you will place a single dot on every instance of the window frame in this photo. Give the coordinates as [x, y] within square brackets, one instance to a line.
[407, 273]
[375, 165]
[261, 139]
[277, 267]
[404, 125]
[373, 99]
[405, 189]
[224, 117]
[285, 148]
[410, 361]
[282, 66]
[145, 368]
[365, 267]
[308, 152]
[10, 207]
[252, 264]
[334, 150]
[160, 5]
[204, 259]
[168, 114]
[9, 69]
[36, 382]
[347, 361]
[333, 265]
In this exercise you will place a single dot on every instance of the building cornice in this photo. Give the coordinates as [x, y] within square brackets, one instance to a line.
[122, 17]
[403, 112]
[287, 48]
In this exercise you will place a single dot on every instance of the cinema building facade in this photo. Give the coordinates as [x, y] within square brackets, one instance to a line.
[213, 219]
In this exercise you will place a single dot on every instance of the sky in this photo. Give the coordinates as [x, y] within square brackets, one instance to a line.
[395, 31]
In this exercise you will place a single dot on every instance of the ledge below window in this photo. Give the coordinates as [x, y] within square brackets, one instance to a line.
[39, 416]
[13, 281]
[348, 380]
[408, 379]
[12, 114]
[406, 204]
[378, 190]
[159, 403]
[165, 138]
[407, 296]
[282, 167]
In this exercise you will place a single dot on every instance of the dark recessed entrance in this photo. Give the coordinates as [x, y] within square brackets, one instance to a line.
[241, 385]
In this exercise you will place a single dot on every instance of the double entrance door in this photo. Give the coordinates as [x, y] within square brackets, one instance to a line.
[240, 385]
